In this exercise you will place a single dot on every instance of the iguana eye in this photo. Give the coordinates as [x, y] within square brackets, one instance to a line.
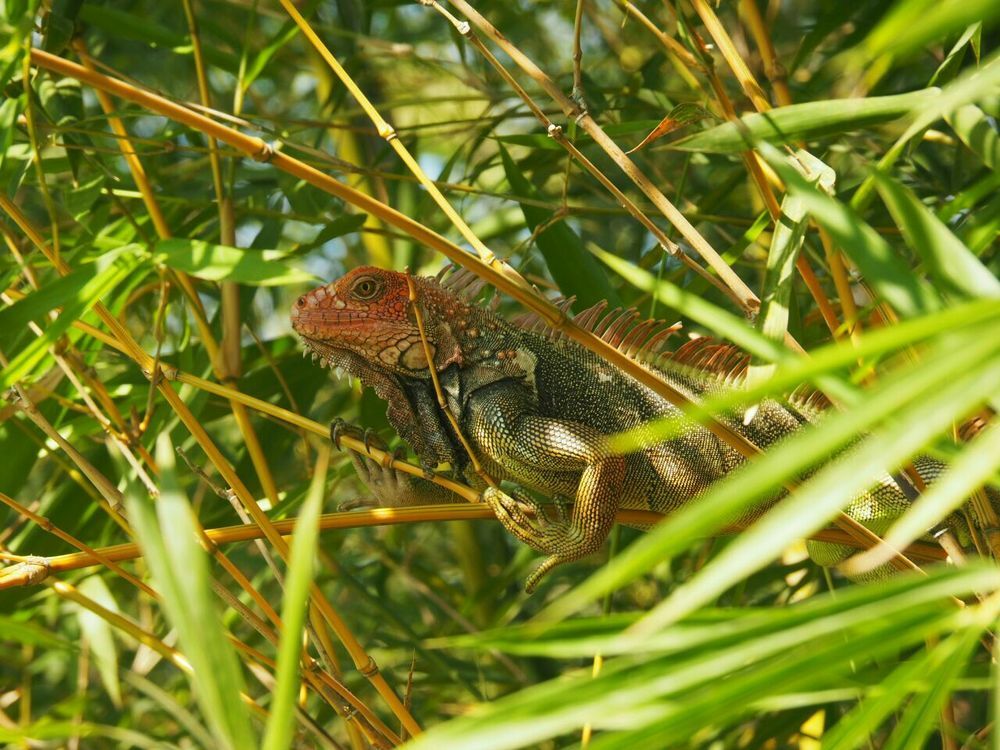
[365, 288]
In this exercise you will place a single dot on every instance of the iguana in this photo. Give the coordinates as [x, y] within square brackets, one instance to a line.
[536, 408]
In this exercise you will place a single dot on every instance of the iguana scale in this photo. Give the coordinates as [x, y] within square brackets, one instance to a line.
[536, 408]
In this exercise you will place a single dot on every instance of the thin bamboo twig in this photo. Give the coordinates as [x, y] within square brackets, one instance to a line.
[36, 156]
[389, 134]
[773, 68]
[700, 245]
[577, 93]
[725, 44]
[229, 362]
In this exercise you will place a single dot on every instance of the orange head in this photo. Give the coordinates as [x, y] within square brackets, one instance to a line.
[366, 315]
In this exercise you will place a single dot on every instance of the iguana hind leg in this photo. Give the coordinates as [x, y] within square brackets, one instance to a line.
[532, 448]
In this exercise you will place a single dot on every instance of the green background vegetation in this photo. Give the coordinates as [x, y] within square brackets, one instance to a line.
[867, 148]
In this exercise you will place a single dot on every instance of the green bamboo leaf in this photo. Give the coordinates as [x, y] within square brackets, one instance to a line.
[124, 25]
[97, 632]
[19, 17]
[295, 604]
[950, 65]
[83, 294]
[647, 696]
[346, 224]
[10, 108]
[573, 268]
[13, 628]
[855, 729]
[798, 122]
[709, 629]
[973, 127]
[34, 307]
[223, 263]
[912, 24]
[981, 230]
[924, 710]
[878, 263]
[180, 571]
[285, 34]
[786, 242]
[169, 703]
[949, 262]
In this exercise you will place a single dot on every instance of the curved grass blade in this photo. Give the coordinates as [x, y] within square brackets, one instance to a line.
[224, 263]
[949, 262]
[180, 571]
[279, 733]
[798, 122]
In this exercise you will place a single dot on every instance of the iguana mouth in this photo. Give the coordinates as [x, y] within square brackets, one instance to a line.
[341, 361]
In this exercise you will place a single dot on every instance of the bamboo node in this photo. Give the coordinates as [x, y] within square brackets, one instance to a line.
[370, 669]
[27, 572]
[264, 153]
[161, 372]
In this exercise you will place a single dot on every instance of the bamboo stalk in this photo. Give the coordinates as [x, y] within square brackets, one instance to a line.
[356, 519]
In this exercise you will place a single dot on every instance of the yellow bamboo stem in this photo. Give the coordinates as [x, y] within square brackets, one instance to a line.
[356, 519]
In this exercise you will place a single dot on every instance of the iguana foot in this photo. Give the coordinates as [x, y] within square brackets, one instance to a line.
[391, 488]
[562, 541]
[369, 437]
[512, 512]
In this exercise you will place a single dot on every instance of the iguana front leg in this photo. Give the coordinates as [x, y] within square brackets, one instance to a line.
[543, 452]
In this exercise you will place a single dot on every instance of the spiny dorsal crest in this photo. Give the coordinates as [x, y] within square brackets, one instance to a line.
[625, 329]
[727, 365]
[642, 339]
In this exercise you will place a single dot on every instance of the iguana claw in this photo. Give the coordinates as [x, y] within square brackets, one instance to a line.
[339, 427]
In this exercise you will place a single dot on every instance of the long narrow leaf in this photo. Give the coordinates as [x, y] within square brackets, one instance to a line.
[950, 263]
[181, 573]
[293, 613]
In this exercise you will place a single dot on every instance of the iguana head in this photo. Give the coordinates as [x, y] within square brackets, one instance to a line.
[364, 321]
[363, 324]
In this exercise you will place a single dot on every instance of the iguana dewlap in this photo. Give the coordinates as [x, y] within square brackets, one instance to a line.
[536, 408]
